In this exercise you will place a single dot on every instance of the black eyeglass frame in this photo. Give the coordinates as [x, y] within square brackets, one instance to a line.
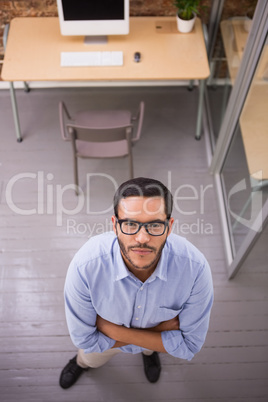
[120, 221]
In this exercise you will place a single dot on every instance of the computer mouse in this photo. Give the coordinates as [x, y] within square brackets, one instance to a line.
[137, 57]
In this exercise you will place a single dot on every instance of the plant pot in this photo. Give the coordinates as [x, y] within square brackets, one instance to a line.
[185, 26]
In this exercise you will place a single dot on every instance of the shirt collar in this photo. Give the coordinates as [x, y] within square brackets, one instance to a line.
[122, 272]
[161, 269]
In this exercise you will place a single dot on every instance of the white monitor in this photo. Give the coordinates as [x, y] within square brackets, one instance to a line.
[93, 17]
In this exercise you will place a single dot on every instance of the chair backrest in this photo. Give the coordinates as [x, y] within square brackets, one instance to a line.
[65, 117]
[100, 142]
[139, 118]
[101, 135]
[88, 134]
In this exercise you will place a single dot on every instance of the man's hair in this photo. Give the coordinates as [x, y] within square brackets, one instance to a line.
[143, 187]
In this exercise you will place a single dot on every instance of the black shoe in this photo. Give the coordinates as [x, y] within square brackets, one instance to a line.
[71, 373]
[152, 366]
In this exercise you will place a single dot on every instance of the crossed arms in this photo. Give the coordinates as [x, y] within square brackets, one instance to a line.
[149, 338]
[92, 333]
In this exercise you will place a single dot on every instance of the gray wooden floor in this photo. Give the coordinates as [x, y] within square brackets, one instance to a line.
[42, 225]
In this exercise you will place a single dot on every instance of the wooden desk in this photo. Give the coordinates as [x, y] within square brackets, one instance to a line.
[34, 46]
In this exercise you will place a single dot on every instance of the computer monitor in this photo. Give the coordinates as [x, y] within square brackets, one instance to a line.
[93, 18]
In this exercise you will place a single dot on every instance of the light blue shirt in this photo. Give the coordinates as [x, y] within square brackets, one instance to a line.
[98, 282]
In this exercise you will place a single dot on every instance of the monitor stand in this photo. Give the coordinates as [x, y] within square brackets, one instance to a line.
[95, 40]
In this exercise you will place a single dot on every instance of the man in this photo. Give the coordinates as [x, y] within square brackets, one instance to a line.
[137, 289]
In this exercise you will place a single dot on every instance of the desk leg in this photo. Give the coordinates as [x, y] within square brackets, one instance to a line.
[200, 109]
[15, 112]
[26, 87]
[191, 85]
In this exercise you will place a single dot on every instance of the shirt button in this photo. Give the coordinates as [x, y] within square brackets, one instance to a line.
[136, 318]
[139, 306]
[141, 288]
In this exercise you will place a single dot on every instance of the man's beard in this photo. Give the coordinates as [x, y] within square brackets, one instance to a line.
[144, 246]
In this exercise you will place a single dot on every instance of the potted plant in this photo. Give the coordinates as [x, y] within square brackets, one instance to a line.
[187, 11]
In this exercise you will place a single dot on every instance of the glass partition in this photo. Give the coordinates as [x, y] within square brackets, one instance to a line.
[244, 173]
[225, 58]
[240, 155]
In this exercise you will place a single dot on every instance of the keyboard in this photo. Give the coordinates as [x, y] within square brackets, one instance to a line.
[99, 58]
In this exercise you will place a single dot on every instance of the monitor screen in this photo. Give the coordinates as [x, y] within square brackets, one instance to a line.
[85, 17]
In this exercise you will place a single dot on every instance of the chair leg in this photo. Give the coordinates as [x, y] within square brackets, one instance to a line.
[130, 159]
[76, 176]
[131, 170]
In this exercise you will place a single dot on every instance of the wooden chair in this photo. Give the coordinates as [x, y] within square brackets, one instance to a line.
[101, 134]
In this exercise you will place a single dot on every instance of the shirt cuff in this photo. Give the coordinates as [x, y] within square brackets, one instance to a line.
[174, 344]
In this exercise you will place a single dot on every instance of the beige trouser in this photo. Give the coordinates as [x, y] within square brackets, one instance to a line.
[95, 360]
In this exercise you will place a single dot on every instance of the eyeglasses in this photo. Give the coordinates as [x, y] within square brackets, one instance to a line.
[154, 228]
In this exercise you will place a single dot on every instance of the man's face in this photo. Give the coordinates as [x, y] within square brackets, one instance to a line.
[141, 251]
